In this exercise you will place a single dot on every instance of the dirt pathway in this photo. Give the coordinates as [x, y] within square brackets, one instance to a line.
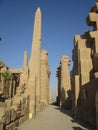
[52, 118]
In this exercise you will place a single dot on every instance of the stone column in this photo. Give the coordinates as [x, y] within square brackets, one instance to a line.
[13, 88]
[25, 59]
[10, 88]
[77, 90]
[58, 75]
[65, 79]
[45, 74]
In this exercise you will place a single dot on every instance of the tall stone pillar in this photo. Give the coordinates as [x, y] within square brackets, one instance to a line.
[25, 59]
[65, 80]
[58, 75]
[34, 77]
[76, 96]
[45, 74]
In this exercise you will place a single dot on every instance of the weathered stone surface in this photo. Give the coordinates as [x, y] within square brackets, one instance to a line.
[45, 75]
[1, 125]
[25, 65]
[10, 126]
[96, 62]
[63, 81]
[77, 90]
[34, 78]
[85, 70]
[3, 104]
[13, 114]
[5, 115]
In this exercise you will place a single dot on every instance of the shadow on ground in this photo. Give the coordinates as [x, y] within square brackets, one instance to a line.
[80, 122]
[78, 128]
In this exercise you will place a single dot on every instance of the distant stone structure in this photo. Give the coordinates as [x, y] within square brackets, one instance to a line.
[64, 85]
[24, 92]
[84, 75]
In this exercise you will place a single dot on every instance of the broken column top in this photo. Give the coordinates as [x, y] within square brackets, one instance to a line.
[64, 58]
[44, 52]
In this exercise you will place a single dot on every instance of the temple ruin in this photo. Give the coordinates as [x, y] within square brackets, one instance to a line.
[84, 75]
[83, 83]
[24, 92]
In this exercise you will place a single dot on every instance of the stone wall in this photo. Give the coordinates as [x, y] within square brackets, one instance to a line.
[85, 70]
[13, 112]
[14, 101]
[87, 108]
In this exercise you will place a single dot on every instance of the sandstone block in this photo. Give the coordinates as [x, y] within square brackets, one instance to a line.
[21, 120]
[2, 104]
[8, 102]
[13, 114]
[8, 116]
[1, 126]
[5, 115]
[96, 75]
[16, 122]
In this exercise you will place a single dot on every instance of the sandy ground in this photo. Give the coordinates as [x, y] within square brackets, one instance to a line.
[53, 118]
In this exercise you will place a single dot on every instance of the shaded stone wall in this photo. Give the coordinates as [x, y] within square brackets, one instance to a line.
[13, 112]
[85, 70]
[87, 110]
[58, 93]
[14, 102]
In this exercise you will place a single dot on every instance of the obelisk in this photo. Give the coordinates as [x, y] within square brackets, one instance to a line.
[34, 79]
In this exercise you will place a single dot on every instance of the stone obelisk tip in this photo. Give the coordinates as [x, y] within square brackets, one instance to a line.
[38, 9]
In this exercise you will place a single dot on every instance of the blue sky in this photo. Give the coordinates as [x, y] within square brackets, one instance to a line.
[61, 21]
